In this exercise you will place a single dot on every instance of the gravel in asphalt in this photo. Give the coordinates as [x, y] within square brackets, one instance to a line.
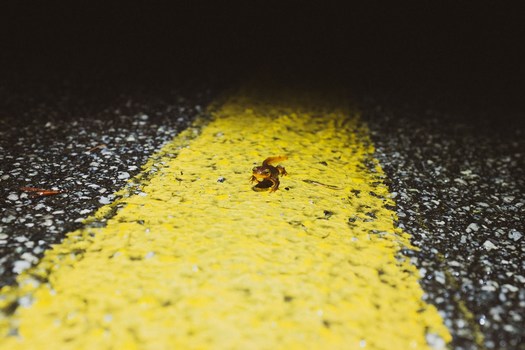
[84, 141]
[459, 183]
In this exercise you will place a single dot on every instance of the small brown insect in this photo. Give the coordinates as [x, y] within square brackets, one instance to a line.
[40, 192]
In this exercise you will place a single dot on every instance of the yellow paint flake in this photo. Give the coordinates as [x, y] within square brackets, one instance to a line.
[187, 261]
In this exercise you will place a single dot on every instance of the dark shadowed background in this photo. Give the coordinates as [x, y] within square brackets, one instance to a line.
[465, 52]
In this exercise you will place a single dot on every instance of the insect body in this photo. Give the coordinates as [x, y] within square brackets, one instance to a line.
[268, 173]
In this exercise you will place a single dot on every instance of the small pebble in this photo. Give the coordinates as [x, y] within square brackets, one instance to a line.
[123, 175]
[472, 227]
[104, 200]
[20, 265]
[488, 245]
[13, 197]
[515, 235]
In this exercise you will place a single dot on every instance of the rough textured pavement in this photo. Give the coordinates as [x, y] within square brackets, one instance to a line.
[458, 174]
[457, 178]
[85, 141]
[459, 182]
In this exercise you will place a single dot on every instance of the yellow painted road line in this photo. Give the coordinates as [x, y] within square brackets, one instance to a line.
[190, 262]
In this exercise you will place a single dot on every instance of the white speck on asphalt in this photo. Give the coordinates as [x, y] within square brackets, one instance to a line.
[440, 277]
[469, 209]
[461, 181]
[435, 341]
[488, 245]
[104, 200]
[515, 235]
[123, 175]
[13, 197]
[472, 227]
[40, 206]
[510, 288]
[21, 265]
[29, 257]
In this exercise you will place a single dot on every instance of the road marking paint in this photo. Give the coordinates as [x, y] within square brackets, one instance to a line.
[187, 261]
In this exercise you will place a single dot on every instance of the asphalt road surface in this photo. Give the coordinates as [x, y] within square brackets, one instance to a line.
[457, 179]
[459, 186]
[88, 96]
[85, 142]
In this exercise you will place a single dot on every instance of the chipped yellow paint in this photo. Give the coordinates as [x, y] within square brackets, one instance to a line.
[188, 262]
